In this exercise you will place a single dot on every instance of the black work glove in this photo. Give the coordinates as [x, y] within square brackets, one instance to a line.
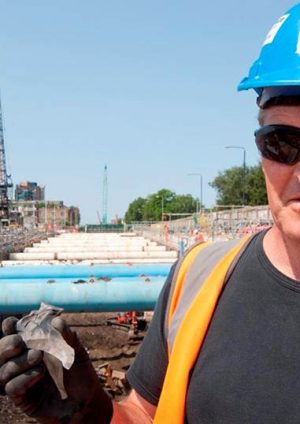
[24, 378]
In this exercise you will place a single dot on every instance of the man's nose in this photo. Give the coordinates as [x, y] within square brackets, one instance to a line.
[296, 170]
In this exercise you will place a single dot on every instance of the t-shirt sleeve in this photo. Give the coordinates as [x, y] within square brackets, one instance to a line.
[147, 373]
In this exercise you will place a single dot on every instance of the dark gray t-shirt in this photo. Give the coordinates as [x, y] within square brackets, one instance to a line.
[248, 370]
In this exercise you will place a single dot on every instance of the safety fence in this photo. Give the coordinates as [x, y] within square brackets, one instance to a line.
[103, 228]
[211, 225]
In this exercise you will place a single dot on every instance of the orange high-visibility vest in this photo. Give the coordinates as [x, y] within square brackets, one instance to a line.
[192, 303]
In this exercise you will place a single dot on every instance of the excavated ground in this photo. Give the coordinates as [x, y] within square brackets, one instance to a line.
[106, 346]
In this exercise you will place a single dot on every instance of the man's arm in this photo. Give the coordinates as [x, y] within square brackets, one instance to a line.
[23, 378]
[133, 410]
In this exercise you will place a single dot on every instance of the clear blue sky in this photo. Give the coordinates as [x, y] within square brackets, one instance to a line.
[146, 87]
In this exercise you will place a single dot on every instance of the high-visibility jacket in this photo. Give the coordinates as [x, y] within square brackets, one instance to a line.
[197, 284]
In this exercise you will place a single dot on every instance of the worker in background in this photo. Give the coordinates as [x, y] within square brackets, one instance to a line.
[216, 353]
[198, 236]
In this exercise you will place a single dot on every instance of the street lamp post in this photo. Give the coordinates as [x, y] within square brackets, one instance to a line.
[46, 211]
[162, 205]
[244, 168]
[201, 189]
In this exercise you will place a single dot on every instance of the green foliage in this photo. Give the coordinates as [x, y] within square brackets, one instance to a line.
[135, 210]
[184, 203]
[155, 205]
[257, 187]
[232, 185]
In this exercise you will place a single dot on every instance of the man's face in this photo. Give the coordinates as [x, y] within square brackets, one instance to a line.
[283, 181]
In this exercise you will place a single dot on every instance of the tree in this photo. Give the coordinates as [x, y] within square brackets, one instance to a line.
[135, 210]
[231, 184]
[257, 187]
[184, 203]
[155, 205]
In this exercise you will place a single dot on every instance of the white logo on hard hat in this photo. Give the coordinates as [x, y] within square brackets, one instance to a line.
[275, 28]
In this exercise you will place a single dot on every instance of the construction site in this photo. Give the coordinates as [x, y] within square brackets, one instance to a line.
[107, 283]
[106, 278]
[149, 212]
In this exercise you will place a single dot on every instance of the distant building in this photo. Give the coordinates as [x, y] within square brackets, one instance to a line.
[54, 214]
[29, 191]
[73, 216]
[50, 215]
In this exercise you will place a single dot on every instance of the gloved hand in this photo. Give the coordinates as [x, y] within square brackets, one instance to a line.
[24, 378]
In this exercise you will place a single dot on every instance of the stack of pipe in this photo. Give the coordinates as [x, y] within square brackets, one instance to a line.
[97, 284]
[104, 247]
[78, 288]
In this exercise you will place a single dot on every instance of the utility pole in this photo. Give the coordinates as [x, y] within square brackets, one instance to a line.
[244, 169]
[5, 180]
[197, 174]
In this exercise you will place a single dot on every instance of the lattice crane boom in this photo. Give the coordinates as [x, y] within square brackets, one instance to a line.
[5, 179]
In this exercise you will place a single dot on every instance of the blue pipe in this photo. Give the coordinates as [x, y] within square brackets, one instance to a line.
[138, 294]
[82, 271]
[80, 280]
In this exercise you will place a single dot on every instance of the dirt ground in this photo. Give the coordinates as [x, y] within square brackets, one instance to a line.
[106, 345]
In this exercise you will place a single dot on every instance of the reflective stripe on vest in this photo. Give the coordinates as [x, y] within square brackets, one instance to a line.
[197, 285]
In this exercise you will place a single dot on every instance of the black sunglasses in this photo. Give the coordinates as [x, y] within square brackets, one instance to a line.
[280, 143]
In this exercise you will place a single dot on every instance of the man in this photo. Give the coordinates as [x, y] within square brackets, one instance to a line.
[247, 367]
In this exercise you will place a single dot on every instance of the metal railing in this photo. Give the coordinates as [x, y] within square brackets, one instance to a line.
[213, 225]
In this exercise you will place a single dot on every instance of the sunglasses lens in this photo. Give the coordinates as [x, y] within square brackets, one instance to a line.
[279, 144]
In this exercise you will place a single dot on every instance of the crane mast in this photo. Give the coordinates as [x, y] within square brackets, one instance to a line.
[5, 180]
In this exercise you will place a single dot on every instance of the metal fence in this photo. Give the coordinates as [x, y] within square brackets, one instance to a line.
[210, 225]
[103, 228]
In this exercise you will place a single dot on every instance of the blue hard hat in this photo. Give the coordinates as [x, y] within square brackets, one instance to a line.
[278, 64]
